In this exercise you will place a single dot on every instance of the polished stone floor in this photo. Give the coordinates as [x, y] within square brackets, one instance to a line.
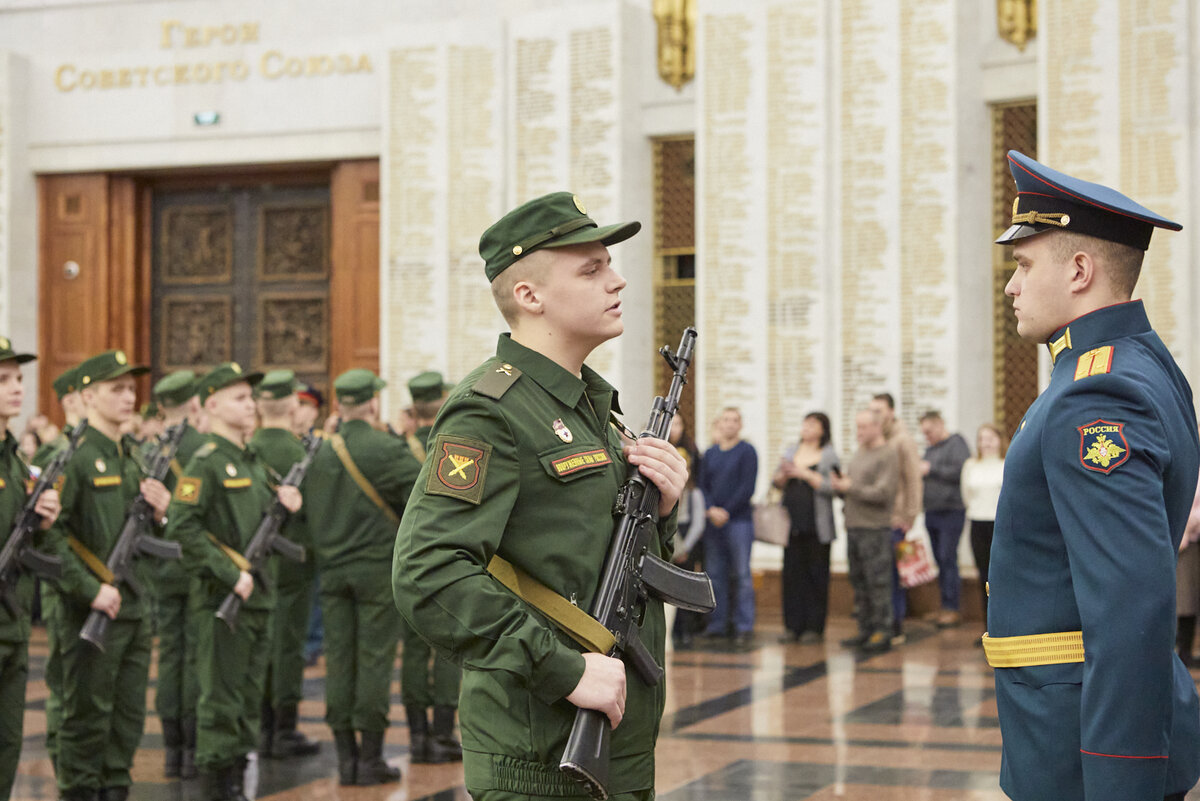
[774, 722]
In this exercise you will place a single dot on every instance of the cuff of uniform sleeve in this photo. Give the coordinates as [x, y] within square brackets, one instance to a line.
[1114, 777]
[89, 587]
[557, 676]
[228, 574]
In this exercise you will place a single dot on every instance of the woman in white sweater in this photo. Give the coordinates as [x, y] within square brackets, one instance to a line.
[981, 477]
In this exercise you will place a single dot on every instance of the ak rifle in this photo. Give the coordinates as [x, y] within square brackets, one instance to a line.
[18, 554]
[632, 575]
[267, 540]
[134, 541]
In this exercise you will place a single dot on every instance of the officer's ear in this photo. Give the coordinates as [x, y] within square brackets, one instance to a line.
[527, 297]
[1082, 272]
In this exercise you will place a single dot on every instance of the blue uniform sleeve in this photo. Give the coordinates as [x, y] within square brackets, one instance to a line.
[1106, 452]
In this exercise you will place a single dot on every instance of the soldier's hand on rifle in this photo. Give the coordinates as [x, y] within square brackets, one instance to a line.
[48, 507]
[659, 461]
[602, 687]
[157, 495]
[108, 600]
[244, 586]
[290, 498]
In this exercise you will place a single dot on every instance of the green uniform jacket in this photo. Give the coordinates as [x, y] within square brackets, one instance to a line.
[223, 492]
[524, 463]
[347, 526]
[170, 576]
[47, 450]
[99, 483]
[13, 477]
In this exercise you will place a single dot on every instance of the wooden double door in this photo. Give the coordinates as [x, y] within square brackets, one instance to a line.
[267, 267]
[242, 274]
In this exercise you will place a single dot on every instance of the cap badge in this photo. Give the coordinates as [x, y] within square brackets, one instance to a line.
[230, 469]
[518, 250]
[237, 368]
[5, 344]
[120, 357]
[101, 466]
[579, 204]
[562, 431]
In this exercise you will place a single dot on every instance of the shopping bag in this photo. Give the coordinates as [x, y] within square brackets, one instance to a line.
[772, 524]
[914, 563]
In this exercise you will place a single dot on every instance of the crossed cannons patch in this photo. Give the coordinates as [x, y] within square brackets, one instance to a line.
[461, 467]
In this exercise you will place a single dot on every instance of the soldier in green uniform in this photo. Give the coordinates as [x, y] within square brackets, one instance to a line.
[177, 688]
[104, 692]
[524, 463]
[14, 624]
[278, 449]
[428, 680]
[66, 387]
[215, 509]
[356, 490]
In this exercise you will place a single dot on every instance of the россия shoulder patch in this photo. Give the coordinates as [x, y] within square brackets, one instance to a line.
[1102, 446]
[460, 467]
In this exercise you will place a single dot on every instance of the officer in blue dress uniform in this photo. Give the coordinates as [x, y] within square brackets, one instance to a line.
[1098, 481]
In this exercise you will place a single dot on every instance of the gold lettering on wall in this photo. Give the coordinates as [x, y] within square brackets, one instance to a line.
[273, 65]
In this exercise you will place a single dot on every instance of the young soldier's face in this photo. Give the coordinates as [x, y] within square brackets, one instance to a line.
[1039, 287]
[12, 388]
[233, 405]
[111, 401]
[581, 294]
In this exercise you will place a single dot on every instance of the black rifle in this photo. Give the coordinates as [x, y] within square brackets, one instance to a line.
[267, 540]
[631, 576]
[134, 541]
[19, 554]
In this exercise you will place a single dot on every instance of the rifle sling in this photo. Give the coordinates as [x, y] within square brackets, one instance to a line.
[242, 562]
[92, 561]
[339, 447]
[176, 469]
[583, 628]
[414, 445]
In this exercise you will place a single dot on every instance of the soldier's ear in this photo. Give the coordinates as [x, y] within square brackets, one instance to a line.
[1083, 272]
[528, 298]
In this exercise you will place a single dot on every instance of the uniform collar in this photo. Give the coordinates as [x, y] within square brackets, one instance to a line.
[352, 424]
[230, 448]
[10, 443]
[268, 434]
[101, 442]
[552, 377]
[1101, 325]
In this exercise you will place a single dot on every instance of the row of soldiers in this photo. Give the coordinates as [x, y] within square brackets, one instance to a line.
[223, 691]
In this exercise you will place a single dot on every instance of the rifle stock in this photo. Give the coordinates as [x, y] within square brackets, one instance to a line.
[631, 576]
[267, 540]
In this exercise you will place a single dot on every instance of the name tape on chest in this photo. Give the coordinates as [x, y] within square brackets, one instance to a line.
[236, 483]
[106, 481]
[460, 469]
[1102, 446]
[3, 484]
[580, 461]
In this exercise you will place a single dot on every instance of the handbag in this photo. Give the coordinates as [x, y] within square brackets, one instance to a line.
[914, 564]
[772, 523]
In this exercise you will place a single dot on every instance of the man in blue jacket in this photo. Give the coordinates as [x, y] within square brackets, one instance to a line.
[1093, 702]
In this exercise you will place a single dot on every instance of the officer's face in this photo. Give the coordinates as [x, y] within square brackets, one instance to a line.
[12, 388]
[112, 401]
[580, 296]
[1039, 287]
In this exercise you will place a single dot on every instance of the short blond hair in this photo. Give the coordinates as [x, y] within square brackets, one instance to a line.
[532, 268]
[1121, 264]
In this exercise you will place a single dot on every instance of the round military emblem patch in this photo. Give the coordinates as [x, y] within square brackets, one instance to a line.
[230, 469]
[1102, 446]
[100, 466]
[564, 433]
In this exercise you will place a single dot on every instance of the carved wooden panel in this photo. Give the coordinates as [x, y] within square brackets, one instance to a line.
[197, 331]
[292, 331]
[197, 245]
[293, 242]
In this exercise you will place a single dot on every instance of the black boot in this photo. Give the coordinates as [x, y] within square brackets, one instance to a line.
[187, 762]
[1185, 638]
[442, 745]
[78, 794]
[172, 747]
[347, 755]
[237, 779]
[266, 731]
[215, 784]
[288, 741]
[418, 734]
[114, 793]
[371, 768]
